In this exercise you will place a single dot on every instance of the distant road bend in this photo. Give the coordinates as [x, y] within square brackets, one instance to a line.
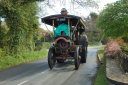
[38, 72]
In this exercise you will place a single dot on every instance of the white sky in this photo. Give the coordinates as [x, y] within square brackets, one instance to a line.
[79, 12]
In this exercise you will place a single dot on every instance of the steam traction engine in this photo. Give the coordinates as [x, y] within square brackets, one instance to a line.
[69, 41]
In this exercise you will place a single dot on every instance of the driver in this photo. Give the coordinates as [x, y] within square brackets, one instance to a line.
[62, 29]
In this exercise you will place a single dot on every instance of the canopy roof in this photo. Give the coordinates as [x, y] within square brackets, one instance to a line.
[59, 19]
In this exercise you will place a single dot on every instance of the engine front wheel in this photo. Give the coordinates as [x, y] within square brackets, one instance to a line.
[51, 58]
[77, 58]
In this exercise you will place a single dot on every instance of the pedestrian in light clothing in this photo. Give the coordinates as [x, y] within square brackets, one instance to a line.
[86, 39]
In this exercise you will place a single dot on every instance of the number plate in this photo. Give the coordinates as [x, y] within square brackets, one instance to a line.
[61, 19]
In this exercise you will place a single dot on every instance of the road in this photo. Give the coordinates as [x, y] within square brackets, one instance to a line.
[38, 73]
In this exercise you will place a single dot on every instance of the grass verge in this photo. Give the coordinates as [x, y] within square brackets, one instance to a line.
[101, 75]
[90, 44]
[9, 61]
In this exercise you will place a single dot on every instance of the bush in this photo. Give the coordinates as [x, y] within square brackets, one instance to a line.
[111, 49]
[123, 45]
[125, 49]
[1, 53]
[38, 48]
[38, 42]
[120, 41]
[47, 45]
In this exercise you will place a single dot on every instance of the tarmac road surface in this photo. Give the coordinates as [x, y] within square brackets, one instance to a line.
[38, 73]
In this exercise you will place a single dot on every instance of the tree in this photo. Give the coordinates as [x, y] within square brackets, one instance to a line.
[92, 32]
[93, 16]
[73, 6]
[113, 20]
[22, 21]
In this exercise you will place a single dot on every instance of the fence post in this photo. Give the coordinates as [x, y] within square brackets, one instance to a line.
[123, 63]
[118, 57]
[126, 63]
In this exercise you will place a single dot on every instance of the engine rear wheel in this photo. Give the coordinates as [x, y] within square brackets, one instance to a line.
[82, 41]
[77, 58]
[84, 49]
[83, 55]
[51, 58]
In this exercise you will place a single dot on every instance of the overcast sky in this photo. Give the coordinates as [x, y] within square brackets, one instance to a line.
[80, 12]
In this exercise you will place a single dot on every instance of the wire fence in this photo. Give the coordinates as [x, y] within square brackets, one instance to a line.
[123, 61]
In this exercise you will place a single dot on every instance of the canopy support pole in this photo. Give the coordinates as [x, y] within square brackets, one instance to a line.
[69, 27]
[53, 28]
[47, 28]
[75, 28]
[70, 30]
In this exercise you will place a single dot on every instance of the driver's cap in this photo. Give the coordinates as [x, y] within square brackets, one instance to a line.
[64, 11]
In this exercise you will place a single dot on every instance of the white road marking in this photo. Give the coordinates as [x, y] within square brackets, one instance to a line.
[22, 82]
[42, 65]
[45, 70]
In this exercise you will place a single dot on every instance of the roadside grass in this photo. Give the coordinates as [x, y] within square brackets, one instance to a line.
[101, 75]
[9, 61]
[93, 45]
[90, 44]
[47, 45]
[103, 45]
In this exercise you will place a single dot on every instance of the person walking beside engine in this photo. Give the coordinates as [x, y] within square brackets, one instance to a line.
[86, 44]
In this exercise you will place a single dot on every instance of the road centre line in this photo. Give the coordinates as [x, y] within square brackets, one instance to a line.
[45, 70]
[27, 80]
[22, 82]
[42, 65]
